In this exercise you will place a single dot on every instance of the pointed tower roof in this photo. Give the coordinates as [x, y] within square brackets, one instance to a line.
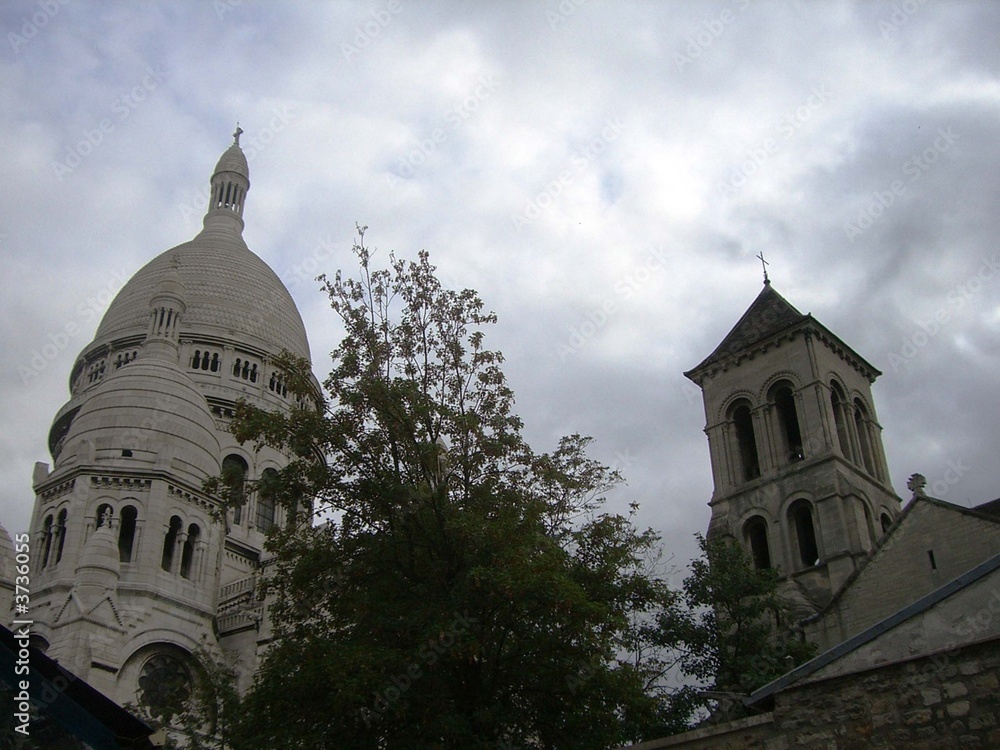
[769, 317]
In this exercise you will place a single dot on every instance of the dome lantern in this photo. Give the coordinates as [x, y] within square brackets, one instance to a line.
[229, 187]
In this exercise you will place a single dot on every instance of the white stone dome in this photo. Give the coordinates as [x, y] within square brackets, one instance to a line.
[151, 410]
[230, 293]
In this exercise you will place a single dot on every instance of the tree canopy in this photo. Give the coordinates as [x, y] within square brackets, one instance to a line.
[730, 628]
[464, 590]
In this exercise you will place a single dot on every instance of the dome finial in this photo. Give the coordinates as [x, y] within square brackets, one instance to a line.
[237, 134]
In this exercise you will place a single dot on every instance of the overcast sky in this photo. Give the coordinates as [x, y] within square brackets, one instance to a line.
[603, 173]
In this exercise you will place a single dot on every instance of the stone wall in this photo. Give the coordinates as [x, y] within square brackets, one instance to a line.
[940, 701]
[949, 699]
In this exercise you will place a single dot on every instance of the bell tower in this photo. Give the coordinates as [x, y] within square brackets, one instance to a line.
[796, 448]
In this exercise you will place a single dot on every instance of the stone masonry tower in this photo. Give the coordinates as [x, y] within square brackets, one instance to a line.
[796, 449]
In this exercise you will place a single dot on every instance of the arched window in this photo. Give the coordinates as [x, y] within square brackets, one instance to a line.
[838, 401]
[103, 515]
[886, 522]
[746, 441]
[869, 526]
[861, 424]
[755, 535]
[170, 542]
[801, 518]
[187, 554]
[196, 362]
[47, 530]
[164, 685]
[788, 422]
[265, 501]
[126, 533]
[236, 367]
[253, 374]
[61, 534]
[235, 467]
[214, 366]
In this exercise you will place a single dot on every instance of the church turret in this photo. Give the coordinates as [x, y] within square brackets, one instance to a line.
[166, 310]
[229, 187]
[796, 449]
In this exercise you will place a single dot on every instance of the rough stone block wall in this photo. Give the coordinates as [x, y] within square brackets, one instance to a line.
[933, 703]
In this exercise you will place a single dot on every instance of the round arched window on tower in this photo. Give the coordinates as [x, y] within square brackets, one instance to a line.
[164, 684]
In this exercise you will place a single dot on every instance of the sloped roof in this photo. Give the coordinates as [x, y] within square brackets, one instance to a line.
[907, 613]
[768, 315]
[885, 539]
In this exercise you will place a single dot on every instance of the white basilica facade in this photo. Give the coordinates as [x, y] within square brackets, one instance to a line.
[134, 568]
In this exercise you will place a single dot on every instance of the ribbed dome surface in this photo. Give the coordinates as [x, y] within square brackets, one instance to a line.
[233, 160]
[229, 292]
[146, 405]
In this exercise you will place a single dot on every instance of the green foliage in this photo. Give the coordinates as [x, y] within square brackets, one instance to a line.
[465, 592]
[727, 627]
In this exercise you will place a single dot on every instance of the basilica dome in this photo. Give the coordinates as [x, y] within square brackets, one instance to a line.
[232, 295]
[142, 407]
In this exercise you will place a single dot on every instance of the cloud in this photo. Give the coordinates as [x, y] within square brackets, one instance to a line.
[809, 112]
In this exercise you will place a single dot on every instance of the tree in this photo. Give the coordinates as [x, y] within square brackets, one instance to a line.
[731, 628]
[464, 591]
